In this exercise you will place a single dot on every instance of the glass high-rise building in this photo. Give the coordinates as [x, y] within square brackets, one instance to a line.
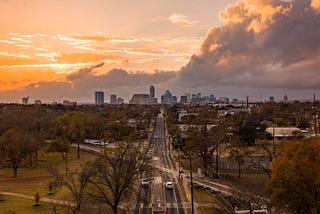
[152, 91]
[99, 97]
[113, 99]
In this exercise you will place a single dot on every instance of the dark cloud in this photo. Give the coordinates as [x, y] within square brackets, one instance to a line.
[116, 78]
[80, 86]
[264, 44]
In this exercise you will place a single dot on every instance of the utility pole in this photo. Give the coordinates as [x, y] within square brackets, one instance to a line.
[169, 144]
[247, 97]
[192, 205]
[315, 115]
[179, 162]
[273, 140]
[217, 161]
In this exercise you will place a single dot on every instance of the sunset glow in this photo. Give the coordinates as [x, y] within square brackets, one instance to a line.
[204, 45]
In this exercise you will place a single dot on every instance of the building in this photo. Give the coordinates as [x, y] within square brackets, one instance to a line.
[223, 100]
[113, 99]
[231, 111]
[140, 99]
[285, 132]
[99, 97]
[25, 100]
[212, 99]
[120, 100]
[68, 103]
[152, 91]
[183, 99]
[38, 102]
[271, 99]
[167, 98]
[196, 96]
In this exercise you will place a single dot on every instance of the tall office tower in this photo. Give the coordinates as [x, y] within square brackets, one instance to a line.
[99, 97]
[113, 99]
[152, 91]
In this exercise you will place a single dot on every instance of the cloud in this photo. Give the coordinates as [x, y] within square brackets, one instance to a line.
[180, 19]
[315, 4]
[80, 85]
[262, 44]
[176, 19]
[103, 38]
[86, 78]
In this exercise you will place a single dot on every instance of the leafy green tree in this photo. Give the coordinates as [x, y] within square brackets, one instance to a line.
[72, 126]
[118, 131]
[59, 145]
[295, 182]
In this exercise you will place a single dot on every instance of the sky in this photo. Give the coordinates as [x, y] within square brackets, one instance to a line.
[67, 49]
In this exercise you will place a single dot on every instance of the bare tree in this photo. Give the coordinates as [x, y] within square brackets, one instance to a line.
[76, 183]
[14, 149]
[116, 172]
[263, 162]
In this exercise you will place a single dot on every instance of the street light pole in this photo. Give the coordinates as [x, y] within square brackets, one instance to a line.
[217, 161]
[192, 205]
[179, 162]
[169, 145]
[273, 140]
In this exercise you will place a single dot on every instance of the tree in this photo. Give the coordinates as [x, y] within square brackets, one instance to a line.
[72, 126]
[198, 142]
[116, 172]
[76, 183]
[14, 148]
[262, 162]
[238, 153]
[118, 130]
[59, 145]
[295, 182]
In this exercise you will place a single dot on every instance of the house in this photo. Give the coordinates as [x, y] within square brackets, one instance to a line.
[284, 132]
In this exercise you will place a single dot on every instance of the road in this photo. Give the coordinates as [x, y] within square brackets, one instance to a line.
[156, 198]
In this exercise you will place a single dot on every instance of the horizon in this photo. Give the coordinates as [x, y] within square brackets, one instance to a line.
[232, 48]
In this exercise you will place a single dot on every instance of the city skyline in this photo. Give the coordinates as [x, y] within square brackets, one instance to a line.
[231, 48]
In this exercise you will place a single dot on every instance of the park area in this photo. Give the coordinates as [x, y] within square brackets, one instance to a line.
[18, 194]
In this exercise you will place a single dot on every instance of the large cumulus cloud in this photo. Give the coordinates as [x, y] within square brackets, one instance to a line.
[263, 43]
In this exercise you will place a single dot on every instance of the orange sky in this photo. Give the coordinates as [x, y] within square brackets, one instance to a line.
[175, 44]
[26, 58]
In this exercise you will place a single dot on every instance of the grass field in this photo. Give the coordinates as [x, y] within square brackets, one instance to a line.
[25, 206]
[35, 179]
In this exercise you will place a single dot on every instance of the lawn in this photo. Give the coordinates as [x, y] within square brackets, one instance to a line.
[17, 205]
[35, 179]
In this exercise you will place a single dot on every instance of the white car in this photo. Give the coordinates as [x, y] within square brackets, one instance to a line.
[145, 182]
[169, 185]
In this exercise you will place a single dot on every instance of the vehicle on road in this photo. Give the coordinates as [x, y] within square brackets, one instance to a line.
[169, 185]
[145, 183]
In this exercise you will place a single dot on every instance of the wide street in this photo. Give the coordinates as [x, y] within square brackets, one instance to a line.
[158, 196]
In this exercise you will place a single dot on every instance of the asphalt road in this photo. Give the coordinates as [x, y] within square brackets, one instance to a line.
[156, 198]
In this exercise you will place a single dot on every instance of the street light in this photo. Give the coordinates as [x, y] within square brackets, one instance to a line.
[169, 144]
[192, 204]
